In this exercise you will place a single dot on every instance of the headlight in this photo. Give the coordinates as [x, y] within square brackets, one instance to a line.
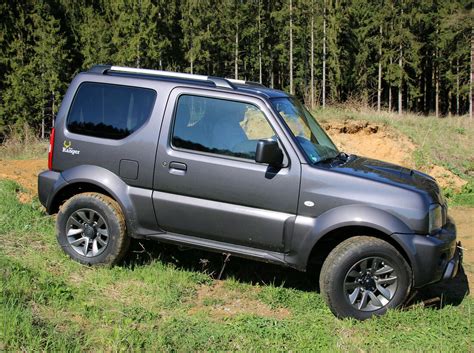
[435, 218]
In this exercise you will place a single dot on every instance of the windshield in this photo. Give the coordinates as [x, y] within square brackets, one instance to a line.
[310, 136]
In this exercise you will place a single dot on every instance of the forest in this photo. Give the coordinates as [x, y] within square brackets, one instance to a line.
[395, 55]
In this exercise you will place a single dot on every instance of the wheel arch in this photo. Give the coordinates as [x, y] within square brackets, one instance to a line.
[71, 189]
[317, 235]
[331, 239]
[88, 178]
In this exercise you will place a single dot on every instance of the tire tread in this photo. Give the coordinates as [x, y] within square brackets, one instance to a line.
[338, 254]
[123, 240]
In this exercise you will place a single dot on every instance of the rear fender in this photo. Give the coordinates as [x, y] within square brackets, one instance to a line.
[136, 203]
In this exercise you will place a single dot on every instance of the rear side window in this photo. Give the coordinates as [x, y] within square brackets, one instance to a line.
[109, 111]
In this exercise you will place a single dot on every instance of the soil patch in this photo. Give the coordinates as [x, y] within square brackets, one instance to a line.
[371, 140]
[464, 219]
[223, 302]
[379, 142]
[446, 178]
[25, 173]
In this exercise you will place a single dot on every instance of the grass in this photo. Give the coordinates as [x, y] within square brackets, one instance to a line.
[23, 144]
[20, 149]
[447, 142]
[50, 303]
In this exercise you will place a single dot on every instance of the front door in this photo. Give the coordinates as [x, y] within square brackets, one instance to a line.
[207, 183]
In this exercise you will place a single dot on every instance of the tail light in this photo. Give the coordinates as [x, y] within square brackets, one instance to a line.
[50, 151]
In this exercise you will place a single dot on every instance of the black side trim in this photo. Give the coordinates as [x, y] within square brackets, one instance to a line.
[220, 247]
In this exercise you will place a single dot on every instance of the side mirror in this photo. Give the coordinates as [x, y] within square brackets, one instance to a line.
[269, 152]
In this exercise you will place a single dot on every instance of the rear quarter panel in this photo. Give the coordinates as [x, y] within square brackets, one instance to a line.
[139, 147]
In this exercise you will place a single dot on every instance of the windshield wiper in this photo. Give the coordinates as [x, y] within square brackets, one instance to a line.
[342, 156]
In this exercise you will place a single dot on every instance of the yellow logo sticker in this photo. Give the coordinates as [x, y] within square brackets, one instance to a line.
[67, 148]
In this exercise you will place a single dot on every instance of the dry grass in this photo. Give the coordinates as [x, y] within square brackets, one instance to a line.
[24, 145]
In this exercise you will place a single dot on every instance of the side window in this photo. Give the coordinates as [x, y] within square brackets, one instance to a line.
[219, 126]
[109, 111]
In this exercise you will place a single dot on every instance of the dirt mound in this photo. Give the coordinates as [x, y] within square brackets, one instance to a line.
[353, 127]
[25, 173]
[371, 140]
[224, 302]
[379, 142]
[446, 178]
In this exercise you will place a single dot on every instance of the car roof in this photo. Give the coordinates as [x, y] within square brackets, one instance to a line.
[239, 86]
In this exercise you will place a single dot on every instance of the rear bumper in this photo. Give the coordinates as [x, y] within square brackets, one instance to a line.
[433, 257]
[48, 183]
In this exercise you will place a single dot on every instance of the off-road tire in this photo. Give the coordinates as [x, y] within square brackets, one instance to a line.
[111, 212]
[342, 260]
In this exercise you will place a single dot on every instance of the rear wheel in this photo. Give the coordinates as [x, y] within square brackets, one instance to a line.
[364, 276]
[91, 229]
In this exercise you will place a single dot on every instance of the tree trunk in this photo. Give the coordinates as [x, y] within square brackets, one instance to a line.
[425, 95]
[324, 55]
[137, 62]
[192, 66]
[259, 45]
[390, 89]
[450, 98]
[379, 86]
[53, 108]
[436, 77]
[472, 73]
[436, 74]
[272, 77]
[312, 55]
[237, 53]
[400, 85]
[291, 47]
[400, 64]
[457, 86]
[390, 99]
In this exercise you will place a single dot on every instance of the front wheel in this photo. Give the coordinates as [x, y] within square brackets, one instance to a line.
[364, 276]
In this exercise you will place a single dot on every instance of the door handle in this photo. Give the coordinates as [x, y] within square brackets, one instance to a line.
[177, 168]
[178, 165]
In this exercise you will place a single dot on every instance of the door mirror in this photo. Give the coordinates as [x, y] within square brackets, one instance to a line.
[269, 152]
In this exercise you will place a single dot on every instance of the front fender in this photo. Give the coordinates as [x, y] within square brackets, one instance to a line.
[136, 203]
[308, 231]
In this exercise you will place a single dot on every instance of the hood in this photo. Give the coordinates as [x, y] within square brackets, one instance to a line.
[392, 174]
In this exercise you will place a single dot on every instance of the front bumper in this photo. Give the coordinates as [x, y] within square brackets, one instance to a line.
[454, 265]
[433, 257]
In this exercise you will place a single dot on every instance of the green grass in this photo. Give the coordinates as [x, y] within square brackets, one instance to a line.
[50, 303]
[447, 142]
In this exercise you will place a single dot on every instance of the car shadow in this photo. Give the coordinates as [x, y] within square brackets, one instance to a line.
[449, 292]
[215, 265]
[438, 295]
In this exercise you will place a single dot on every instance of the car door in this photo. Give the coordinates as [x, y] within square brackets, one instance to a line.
[206, 181]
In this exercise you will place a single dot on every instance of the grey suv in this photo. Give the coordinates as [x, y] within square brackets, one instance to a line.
[235, 167]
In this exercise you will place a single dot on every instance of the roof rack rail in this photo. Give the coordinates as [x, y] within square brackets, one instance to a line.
[243, 82]
[219, 82]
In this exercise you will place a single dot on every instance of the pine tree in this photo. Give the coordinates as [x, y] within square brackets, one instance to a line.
[196, 33]
[95, 36]
[455, 48]
[48, 64]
